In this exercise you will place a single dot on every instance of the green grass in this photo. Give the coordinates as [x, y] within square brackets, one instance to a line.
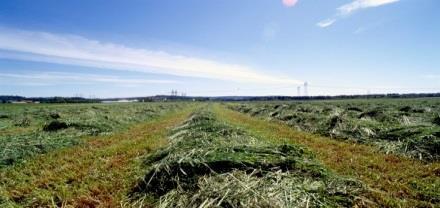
[27, 130]
[99, 155]
[99, 172]
[211, 164]
[404, 126]
[392, 180]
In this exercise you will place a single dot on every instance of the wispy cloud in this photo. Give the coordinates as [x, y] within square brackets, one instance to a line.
[326, 23]
[53, 78]
[350, 8]
[77, 50]
[362, 4]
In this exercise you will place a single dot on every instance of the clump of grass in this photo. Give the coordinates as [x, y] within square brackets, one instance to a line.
[436, 120]
[55, 126]
[354, 109]
[92, 128]
[405, 108]
[54, 115]
[23, 122]
[418, 142]
[209, 164]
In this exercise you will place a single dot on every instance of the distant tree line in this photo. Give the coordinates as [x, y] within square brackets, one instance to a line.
[65, 100]
[10, 99]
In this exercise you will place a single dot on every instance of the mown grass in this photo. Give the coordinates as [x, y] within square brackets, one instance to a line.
[408, 127]
[393, 181]
[96, 173]
[28, 130]
[212, 164]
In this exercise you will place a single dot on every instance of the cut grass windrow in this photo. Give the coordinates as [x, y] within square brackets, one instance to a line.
[393, 181]
[408, 127]
[96, 173]
[211, 164]
[29, 130]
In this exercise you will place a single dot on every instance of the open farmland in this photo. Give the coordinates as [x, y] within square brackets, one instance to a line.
[219, 104]
[181, 154]
[26, 130]
[211, 164]
[406, 127]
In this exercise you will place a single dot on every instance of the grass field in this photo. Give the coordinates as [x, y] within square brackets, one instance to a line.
[220, 155]
[409, 127]
[26, 130]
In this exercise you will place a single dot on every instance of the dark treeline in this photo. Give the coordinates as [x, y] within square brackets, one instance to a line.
[10, 99]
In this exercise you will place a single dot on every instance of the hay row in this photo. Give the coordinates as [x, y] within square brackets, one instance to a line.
[211, 164]
[33, 129]
[411, 129]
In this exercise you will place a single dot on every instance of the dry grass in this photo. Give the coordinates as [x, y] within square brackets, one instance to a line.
[394, 181]
[98, 173]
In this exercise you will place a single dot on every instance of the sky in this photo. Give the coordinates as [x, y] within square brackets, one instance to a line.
[114, 48]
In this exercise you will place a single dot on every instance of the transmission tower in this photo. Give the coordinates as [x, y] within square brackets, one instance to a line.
[174, 92]
[306, 91]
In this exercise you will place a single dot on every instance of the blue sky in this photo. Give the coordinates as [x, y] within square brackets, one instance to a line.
[109, 48]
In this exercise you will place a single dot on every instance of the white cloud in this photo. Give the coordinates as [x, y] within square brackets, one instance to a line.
[326, 23]
[350, 8]
[77, 50]
[51, 78]
[362, 4]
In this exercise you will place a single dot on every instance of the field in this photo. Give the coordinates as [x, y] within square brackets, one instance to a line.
[407, 127]
[348, 153]
[26, 130]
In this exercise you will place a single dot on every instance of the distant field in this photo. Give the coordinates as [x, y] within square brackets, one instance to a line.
[345, 153]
